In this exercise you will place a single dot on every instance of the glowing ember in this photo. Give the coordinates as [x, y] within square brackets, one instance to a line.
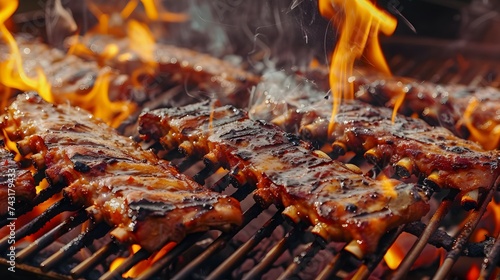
[473, 272]
[140, 267]
[394, 256]
[97, 102]
[359, 22]
[401, 247]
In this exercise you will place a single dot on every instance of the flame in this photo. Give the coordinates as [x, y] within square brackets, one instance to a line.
[13, 77]
[13, 74]
[394, 256]
[401, 247]
[489, 225]
[97, 101]
[488, 135]
[360, 22]
[153, 11]
[143, 265]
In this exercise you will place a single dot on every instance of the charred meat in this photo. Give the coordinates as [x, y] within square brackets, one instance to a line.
[413, 146]
[16, 185]
[469, 112]
[336, 199]
[66, 73]
[146, 200]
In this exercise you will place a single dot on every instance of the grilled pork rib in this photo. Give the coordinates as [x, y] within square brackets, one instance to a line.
[336, 199]
[16, 185]
[411, 144]
[227, 82]
[148, 201]
[66, 73]
[469, 112]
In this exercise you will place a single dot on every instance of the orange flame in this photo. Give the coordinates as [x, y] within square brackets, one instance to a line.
[401, 247]
[141, 41]
[140, 267]
[13, 74]
[488, 135]
[97, 101]
[360, 22]
[394, 256]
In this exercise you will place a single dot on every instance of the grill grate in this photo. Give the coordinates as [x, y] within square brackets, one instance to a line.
[443, 68]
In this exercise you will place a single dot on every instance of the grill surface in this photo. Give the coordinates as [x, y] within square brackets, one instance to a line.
[261, 245]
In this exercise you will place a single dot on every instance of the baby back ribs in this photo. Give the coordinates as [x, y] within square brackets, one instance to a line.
[220, 79]
[469, 112]
[411, 144]
[148, 201]
[336, 199]
[66, 73]
[16, 185]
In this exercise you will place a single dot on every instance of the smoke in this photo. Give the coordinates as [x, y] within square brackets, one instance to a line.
[260, 33]
[277, 33]
[59, 23]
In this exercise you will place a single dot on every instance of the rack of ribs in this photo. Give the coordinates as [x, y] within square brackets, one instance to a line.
[470, 112]
[336, 199]
[147, 201]
[218, 78]
[412, 145]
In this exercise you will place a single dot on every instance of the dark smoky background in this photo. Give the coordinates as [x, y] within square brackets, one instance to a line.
[275, 33]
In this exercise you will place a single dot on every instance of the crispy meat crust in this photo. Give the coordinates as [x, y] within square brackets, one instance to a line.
[409, 143]
[148, 201]
[340, 203]
[469, 112]
[227, 82]
[66, 73]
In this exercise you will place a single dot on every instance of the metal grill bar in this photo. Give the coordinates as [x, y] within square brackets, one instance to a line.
[84, 239]
[272, 255]
[491, 260]
[241, 253]
[423, 240]
[213, 248]
[471, 223]
[52, 235]
[303, 259]
[116, 273]
[366, 269]
[35, 225]
[99, 256]
[170, 256]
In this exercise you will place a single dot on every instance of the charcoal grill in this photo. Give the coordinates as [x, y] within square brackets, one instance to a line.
[216, 255]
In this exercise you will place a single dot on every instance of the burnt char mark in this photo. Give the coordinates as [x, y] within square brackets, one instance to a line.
[144, 208]
[188, 110]
[312, 188]
[81, 167]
